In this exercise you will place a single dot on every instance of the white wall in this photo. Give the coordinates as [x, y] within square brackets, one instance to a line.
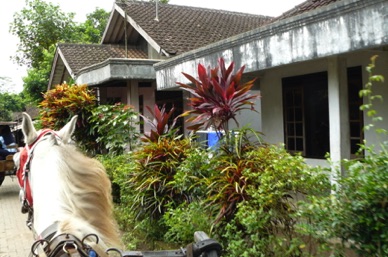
[271, 91]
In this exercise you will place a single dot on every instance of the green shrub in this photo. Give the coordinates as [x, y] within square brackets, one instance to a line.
[155, 165]
[184, 220]
[264, 220]
[357, 212]
[115, 127]
[65, 101]
[192, 173]
[355, 215]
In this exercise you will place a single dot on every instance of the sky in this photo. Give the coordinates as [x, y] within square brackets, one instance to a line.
[15, 73]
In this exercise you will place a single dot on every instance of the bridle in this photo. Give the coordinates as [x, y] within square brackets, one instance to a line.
[52, 245]
[65, 245]
[25, 158]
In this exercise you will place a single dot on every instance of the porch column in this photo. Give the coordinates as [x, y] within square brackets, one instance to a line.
[133, 94]
[338, 111]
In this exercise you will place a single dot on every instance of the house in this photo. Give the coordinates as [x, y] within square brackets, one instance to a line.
[310, 63]
[138, 35]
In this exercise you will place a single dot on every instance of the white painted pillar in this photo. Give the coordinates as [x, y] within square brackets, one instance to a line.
[133, 96]
[338, 111]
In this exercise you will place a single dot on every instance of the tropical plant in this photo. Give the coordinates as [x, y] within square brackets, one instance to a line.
[264, 205]
[65, 101]
[156, 165]
[217, 96]
[159, 123]
[115, 127]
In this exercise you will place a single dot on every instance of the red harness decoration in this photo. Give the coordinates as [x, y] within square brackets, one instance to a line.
[22, 176]
[25, 159]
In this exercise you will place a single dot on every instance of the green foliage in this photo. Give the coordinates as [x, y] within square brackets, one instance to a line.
[118, 167]
[184, 220]
[38, 26]
[192, 172]
[65, 101]
[92, 30]
[36, 81]
[115, 127]
[217, 96]
[357, 212]
[227, 184]
[193, 214]
[156, 164]
[263, 223]
[367, 93]
[10, 103]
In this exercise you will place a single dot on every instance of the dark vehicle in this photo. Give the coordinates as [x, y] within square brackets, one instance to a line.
[8, 148]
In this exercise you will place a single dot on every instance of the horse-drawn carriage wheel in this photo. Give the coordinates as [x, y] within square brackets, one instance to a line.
[2, 176]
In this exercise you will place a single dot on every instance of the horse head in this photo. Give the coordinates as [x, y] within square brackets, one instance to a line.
[70, 192]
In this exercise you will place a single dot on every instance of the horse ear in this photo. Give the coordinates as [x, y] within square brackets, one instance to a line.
[28, 129]
[68, 130]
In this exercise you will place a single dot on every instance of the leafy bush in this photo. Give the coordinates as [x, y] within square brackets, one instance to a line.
[355, 216]
[156, 164]
[65, 101]
[264, 205]
[183, 221]
[115, 127]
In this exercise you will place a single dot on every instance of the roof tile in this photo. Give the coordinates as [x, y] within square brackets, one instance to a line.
[79, 56]
[306, 6]
[181, 28]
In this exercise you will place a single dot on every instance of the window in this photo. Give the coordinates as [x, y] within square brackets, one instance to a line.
[306, 115]
[171, 99]
[356, 121]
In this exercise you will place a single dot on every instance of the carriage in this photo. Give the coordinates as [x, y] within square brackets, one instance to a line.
[7, 167]
[70, 213]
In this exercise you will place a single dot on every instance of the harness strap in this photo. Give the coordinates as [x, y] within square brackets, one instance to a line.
[49, 232]
[26, 155]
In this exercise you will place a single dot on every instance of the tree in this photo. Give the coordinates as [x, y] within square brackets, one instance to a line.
[10, 103]
[36, 81]
[38, 26]
[92, 30]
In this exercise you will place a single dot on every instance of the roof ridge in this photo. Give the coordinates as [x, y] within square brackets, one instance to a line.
[193, 8]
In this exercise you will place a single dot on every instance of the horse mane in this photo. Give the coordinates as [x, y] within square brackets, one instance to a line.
[86, 193]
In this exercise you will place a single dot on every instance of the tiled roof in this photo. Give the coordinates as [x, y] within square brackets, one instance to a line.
[309, 5]
[79, 56]
[182, 28]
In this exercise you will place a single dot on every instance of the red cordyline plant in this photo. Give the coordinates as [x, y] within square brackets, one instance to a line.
[159, 123]
[217, 95]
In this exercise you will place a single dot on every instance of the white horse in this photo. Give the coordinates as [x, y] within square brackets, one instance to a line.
[71, 193]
